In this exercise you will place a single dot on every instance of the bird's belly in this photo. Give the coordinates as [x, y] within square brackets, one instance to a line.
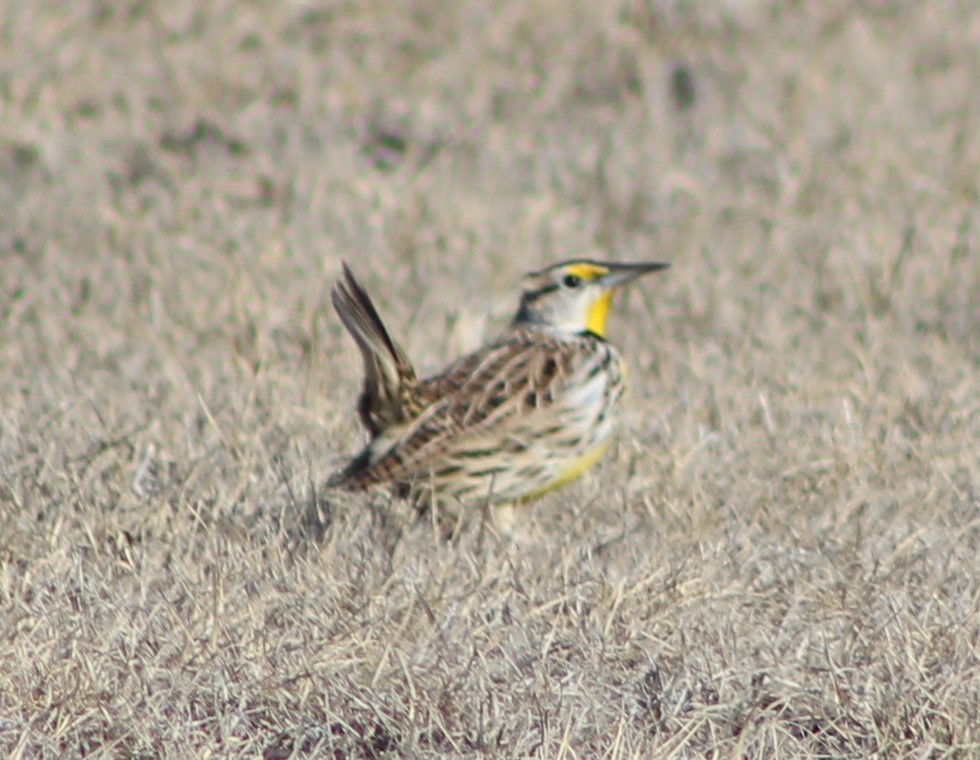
[572, 471]
[545, 452]
[530, 466]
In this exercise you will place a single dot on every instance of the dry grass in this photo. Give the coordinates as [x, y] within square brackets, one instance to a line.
[779, 558]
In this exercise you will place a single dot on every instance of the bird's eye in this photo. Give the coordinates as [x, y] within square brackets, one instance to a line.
[571, 281]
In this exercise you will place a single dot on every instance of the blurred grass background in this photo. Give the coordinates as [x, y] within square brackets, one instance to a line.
[779, 557]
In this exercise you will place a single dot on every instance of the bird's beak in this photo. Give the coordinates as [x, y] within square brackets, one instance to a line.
[616, 276]
[620, 274]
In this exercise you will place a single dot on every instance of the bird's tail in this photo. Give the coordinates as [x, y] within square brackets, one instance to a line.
[389, 377]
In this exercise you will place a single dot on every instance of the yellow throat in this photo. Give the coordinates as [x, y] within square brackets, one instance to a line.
[595, 321]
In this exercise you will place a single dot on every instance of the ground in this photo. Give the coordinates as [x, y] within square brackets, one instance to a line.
[778, 558]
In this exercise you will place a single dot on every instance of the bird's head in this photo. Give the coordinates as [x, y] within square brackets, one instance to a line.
[575, 296]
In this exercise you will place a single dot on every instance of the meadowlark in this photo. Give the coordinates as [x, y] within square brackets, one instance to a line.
[524, 415]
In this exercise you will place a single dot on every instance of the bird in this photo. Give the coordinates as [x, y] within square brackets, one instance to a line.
[526, 414]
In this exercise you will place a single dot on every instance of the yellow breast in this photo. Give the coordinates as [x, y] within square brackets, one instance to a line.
[573, 471]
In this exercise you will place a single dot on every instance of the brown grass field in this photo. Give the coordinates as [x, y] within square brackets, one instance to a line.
[778, 557]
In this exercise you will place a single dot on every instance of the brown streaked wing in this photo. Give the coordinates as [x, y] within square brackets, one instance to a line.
[476, 395]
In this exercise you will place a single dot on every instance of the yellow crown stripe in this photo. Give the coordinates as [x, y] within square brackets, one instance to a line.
[587, 271]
